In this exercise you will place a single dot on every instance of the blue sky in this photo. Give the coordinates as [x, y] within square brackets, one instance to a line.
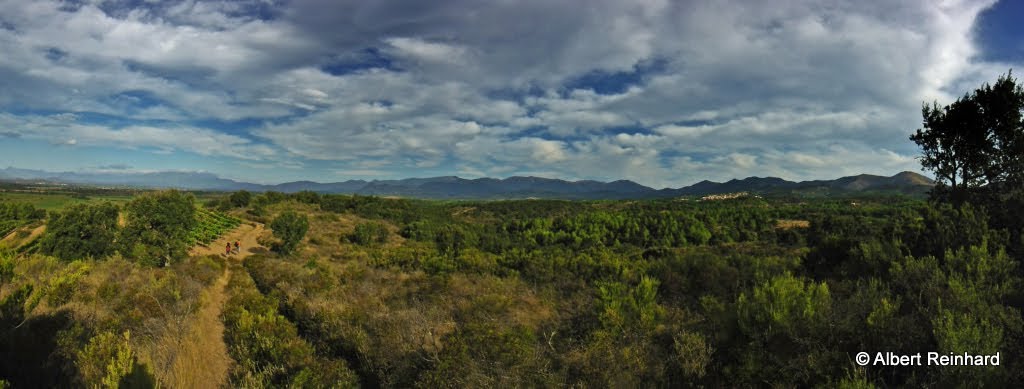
[665, 93]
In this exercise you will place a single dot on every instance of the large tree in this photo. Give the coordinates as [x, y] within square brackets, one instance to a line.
[81, 231]
[975, 142]
[157, 225]
[1002, 105]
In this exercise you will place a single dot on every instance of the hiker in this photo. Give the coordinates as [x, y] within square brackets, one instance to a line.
[237, 249]
[227, 249]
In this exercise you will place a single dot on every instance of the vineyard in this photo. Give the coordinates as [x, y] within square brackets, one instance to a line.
[210, 225]
[6, 226]
[14, 215]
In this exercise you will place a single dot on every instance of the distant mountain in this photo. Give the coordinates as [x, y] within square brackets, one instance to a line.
[451, 187]
[351, 186]
[906, 183]
[512, 187]
[182, 180]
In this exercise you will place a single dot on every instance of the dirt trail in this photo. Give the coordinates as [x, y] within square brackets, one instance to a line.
[203, 360]
[246, 236]
[11, 237]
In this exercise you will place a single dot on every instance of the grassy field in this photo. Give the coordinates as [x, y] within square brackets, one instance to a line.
[56, 198]
[56, 201]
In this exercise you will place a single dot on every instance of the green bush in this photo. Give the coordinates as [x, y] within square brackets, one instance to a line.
[369, 233]
[109, 361]
[267, 345]
[290, 228]
[240, 199]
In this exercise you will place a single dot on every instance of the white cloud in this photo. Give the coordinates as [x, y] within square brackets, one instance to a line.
[61, 130]
[727, 88]
[420, 49]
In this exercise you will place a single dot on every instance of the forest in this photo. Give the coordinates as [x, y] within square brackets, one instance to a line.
[360, 291]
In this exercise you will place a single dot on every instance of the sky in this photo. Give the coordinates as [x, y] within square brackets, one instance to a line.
[664, 93]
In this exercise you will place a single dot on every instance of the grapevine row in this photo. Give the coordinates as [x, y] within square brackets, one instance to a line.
[211, 225]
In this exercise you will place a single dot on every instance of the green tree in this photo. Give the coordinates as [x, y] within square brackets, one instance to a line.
[369, 233]
[290, 227]
[1003, 105]
[240, 199]
[306, 196]
[157, 227]
[450, 240]
[81, 231]
[976, 141]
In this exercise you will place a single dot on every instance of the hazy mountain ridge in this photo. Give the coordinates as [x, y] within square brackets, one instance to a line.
[452, 187]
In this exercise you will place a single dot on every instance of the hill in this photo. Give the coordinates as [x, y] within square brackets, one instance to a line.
[452, 187]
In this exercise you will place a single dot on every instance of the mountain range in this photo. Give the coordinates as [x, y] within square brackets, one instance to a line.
[451, 187]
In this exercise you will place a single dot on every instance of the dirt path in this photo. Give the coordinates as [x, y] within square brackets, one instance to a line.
[12, 236]
[246, 236]
[203, 360]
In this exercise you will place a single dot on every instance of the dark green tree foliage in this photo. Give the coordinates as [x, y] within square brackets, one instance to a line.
[81, 231]
[673, 293]
[975, 142]
[1002, 105]
[14, 215]
[268, 346]
[268, 198]
[157, 227]
[240, 199]
[450, 241]
[787, 320]
[369, 234]
[20, 211]
[290, 228]
[954, 144]
[307, 197]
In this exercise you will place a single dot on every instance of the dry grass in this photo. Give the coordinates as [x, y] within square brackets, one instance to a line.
[785, 224]
[202, 358]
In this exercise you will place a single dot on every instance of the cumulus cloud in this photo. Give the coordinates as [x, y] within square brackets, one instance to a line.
[665, 93]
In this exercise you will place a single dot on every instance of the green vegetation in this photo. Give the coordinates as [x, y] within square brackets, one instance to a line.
[268, 346]
[92, 323]
[240, 199]
[81, 231]
[741, 292]
[649, 293]
[157, 227]
[369, 234]
[290, 228]
[53, 198]
[14, 215]
[209, 226]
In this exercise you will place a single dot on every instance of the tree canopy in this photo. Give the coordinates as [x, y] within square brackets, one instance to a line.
[290, 227]
[976, 142]
[157, 226]
[81, 231]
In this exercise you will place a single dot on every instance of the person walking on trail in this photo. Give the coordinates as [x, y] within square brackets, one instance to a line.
[227, 249]
[238, 250]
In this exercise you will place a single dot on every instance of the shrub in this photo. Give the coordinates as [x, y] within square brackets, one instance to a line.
[290, 228]
[240, 199]
[109, 361]
[450, 240]
[369, 233]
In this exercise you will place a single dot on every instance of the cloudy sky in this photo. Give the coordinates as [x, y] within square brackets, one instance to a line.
[665, 93]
